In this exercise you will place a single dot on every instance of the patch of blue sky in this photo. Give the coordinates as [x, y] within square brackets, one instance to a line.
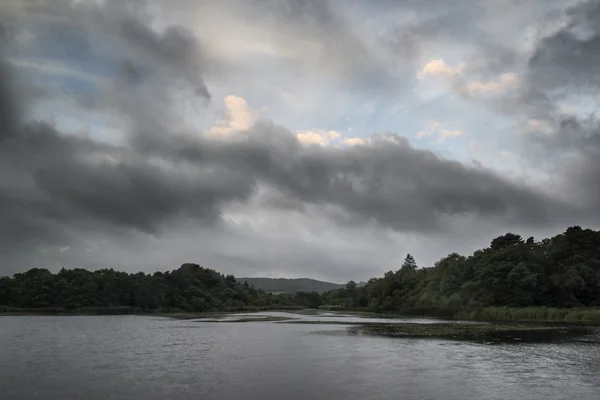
[67, 45]
[74, 121]
[71, 84]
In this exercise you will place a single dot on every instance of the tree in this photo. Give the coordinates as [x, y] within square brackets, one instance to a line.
[510, 239]
[409, 263]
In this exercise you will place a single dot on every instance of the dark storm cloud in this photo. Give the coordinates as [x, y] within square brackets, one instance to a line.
[177, 49]
[139, 194]
[9, 104]
[569, 56]
[388, 180]
[113, 184]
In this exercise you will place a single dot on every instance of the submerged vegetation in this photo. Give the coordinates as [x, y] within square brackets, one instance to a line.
[472, 332]
[556, 279]
[467, 331]
[584, 315]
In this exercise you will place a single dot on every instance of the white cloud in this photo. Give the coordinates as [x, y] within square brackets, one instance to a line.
[437, 128]
[506, 81]
[238, 117]
[538, 126]
[320, 137]
[355, 141]
[447, 133]
[432, 127]
[438, 67]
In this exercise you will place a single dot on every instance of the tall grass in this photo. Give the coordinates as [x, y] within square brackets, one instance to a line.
[531, 314]
[498, 314]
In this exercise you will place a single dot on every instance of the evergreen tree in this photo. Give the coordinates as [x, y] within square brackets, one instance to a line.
[409, 263]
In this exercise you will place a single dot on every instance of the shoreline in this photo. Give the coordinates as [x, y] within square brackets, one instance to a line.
[541, 315]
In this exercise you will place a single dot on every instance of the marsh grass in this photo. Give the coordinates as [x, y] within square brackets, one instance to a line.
[583, 315]
[489, 333]
[542, 314]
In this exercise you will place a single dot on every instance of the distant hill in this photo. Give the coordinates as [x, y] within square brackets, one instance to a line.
[284, 285]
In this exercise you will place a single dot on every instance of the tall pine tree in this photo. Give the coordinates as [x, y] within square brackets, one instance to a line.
[409, 263]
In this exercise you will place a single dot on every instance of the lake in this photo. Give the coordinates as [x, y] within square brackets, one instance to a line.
[147, 358]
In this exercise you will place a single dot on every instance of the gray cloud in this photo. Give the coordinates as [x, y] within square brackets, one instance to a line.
[388, 180]
[57, 188]
[100, 40]
[561, 70]
[567, 57]
[177, 49]
[306, 38]
[9, 102]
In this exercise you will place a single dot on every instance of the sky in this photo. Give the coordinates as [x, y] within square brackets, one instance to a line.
[292, 138]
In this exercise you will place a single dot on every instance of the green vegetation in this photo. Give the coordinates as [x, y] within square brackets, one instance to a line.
[283, 285]
[189, 288]
[513, 279]
[584, 315]
[556, 279]
[472, 332]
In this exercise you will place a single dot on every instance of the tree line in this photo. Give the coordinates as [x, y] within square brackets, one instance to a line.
[188, 288]
[562, 272]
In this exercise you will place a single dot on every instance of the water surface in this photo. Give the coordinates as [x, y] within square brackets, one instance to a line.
[148, 358]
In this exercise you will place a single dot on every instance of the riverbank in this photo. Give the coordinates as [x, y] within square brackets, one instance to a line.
[367, 324]
[581, 316]
[587, 316]
[170, 312]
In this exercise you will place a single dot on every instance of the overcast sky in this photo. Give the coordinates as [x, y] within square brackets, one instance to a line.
[292, 138]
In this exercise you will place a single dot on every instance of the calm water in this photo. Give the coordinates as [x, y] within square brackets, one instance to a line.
[129, 357]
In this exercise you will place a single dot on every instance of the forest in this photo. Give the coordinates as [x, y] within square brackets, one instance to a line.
[188, 288]
[559, 272]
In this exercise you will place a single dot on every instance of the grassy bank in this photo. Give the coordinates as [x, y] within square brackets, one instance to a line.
[492, 314]
[542, 314]
[589, 316]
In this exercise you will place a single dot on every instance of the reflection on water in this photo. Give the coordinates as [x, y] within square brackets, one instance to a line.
[129, 357]
[331, 317]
